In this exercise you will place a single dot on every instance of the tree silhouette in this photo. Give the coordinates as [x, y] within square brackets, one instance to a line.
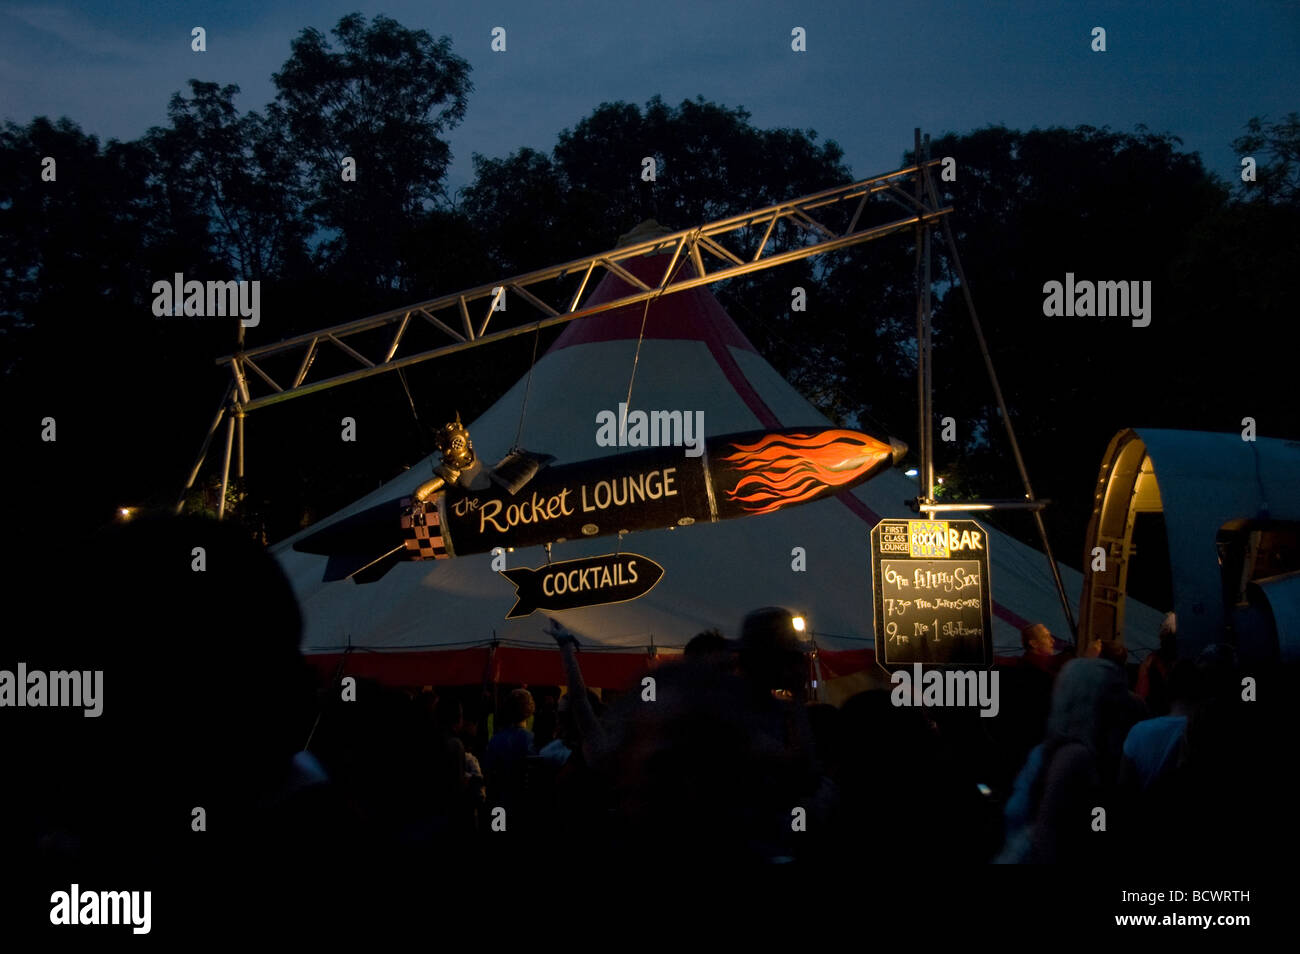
[1276, 148]
[384, 98]
[235, 171]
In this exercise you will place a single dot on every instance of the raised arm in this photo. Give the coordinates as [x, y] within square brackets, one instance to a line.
[585, 718]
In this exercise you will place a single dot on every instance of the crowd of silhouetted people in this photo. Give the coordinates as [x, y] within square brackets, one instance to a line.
[1090, 762]
[727, 762]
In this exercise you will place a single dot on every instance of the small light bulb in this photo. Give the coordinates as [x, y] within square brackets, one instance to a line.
[798, 623]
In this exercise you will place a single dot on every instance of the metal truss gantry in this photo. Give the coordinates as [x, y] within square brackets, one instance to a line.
[451, 314]
[252, 387]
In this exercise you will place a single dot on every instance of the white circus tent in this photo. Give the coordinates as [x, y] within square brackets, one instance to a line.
[433, 621]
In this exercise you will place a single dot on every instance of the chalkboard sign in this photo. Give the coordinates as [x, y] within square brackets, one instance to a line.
[930, 580]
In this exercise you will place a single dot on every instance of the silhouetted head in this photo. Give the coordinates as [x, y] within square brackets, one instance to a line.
[448, 714]
[1218, 667]
[773, 649]
[692, 776]
[710, 648]
[1184, 683]
[1086, 692]
[1114, 651]
[519, 706]
[205, 697]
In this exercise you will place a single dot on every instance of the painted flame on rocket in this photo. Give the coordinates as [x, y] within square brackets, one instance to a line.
[785, 469]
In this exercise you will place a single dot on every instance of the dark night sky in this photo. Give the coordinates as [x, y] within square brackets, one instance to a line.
[1198, 70]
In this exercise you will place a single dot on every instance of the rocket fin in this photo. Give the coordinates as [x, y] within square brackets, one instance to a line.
[371, 531]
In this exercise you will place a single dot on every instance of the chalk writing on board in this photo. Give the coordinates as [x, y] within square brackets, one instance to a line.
[932, 600]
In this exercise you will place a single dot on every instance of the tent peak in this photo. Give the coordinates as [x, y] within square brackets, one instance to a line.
[643, 232]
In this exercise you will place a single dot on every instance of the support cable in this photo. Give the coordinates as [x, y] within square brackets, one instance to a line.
[523, 410]
[636, 357]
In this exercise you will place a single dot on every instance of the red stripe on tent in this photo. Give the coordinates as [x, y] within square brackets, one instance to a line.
[1010, 616]
[844, 662]
[442, 667]
[868, 515]
[736, 378]
[609, 670]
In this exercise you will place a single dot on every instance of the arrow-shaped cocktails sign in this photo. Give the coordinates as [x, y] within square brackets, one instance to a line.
[591, 581]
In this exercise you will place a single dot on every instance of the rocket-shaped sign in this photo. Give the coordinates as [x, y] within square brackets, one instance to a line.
[737, 475]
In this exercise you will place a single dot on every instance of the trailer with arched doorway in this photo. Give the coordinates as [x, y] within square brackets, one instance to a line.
[1205, 524]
